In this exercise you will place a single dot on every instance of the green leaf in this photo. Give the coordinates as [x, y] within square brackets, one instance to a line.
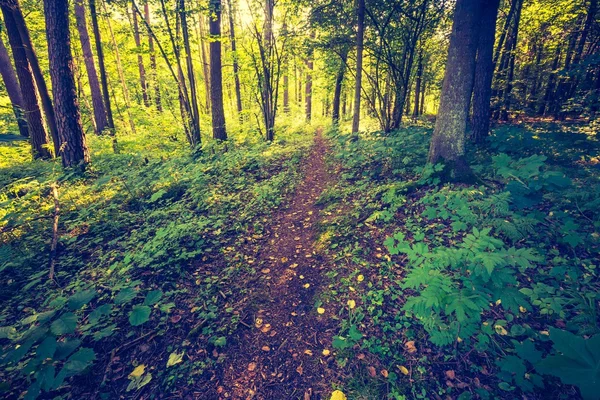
[75, 365]
[8, 332]
[175, 358]
[64, 348]
[153, 297]
[139, 314]
[158, 195]
[125, 296]
[98, 313]
[80, 299]
[64, 325]
[47, 348]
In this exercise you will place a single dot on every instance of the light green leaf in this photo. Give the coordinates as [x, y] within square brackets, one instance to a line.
[175, 358]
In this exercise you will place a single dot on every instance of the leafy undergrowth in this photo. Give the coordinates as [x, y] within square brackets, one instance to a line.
[482, 291]
[142, 295]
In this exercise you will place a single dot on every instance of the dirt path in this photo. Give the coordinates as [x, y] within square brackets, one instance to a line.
[279, 355]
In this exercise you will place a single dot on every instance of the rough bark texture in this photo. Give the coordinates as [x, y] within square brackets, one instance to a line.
[484, 72]
[100, 120]
[73, 147]
[40, 81]
[360, 12]
[216, 75]
[157, 99]
[448, 140]
[339, 80]
[236, 68]
[140, 59]
[37, 132]
[101, 65]
[9, 76]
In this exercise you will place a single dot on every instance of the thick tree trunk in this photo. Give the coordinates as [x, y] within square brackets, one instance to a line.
[339, 83]
[37, 132]
[216, 75]
[236, 68]
[448, 140]
[155, 81]
[37, 71]
[100, 120]
[102, 67]
[9, 77]
[140, 59]
[74, 150]
[360, 12]
[484, 72]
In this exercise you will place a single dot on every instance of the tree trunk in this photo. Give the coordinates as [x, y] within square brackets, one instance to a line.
[484, 72]
[11, 83]
[216, 75]
[422, 102]
[339, 83]
[195, 123]
[545, 104]
[448, 140]
[308, 87]
[140, 59]
[101, 65]
[74, 150]
[511, 62]
[37, 132]
[205, 61]
[100, 120]
[418, 84]
[360, 13]
[236, 68]
[37, 71]
[155, 81]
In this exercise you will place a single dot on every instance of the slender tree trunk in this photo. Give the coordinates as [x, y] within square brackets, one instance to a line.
[195, 126]
[418, 84]
[360, 12]
[546, 100]
[236, 68]
[11, 83]
[74, 150]
[448, 140]
[511, 62]
[205, 61]
[216, 76]
[100, 120]
[140, 59]
[422, 102]
[155, 81]
[37, 132]
[309, 70]
[101, 65]
[37, 72]
[484, 72]
[339, 82]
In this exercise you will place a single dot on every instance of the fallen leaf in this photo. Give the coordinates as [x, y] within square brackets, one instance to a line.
[360, 278]
[450, 374]
[175, 358]
[338, 395]
[265, 328]
[308, 352]
[299, 369]
[403, 369]
[351, 304]
[138, 371]
[321, 310]
[258, 322]
[306, 285]
[266, 348]
[266, 271]
[372, 372]
[384, 373]
[251, 366]
[326, 352]
[410, 347]
[175, 318]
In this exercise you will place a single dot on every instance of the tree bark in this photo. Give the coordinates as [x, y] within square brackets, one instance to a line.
[216, 75]
[11, 83]
[484, 72]
[157, 99]
[418, 84]
[360, 34]
[37, 132]
[100, 120]
[511, 63]
[546, 100]
[339, 83]
[236, 68]
[140, 59]
[101, 65]
[448, 140]
[73, 147]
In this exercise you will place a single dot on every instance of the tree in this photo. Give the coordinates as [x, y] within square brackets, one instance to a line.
[216, 75]
[309, 70]
[484, 72]
[73, 147]
[448, 140]
[102, 66]
[9, 76]
[339, 82]
[140, 58]
[236, 68]
[100, 119]
[360, 34]
[148, 22]
[37, 132]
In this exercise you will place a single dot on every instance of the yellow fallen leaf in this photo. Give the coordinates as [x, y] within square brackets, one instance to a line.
[522, 309]
[351, 304]
[308, 352]
[174, 358]
[306, 285]
[360, 278]
[338, 395]
[138, 371]
[251, 366]
[326, 352]
[403, 369]
[410, 347]
[500, 330]
[321, 310]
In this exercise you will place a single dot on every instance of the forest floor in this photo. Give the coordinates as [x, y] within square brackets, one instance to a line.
[278, 354]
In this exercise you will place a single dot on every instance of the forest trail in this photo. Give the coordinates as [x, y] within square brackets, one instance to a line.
[278, 354]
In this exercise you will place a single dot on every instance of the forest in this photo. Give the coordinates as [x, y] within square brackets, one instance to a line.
[292, 199]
